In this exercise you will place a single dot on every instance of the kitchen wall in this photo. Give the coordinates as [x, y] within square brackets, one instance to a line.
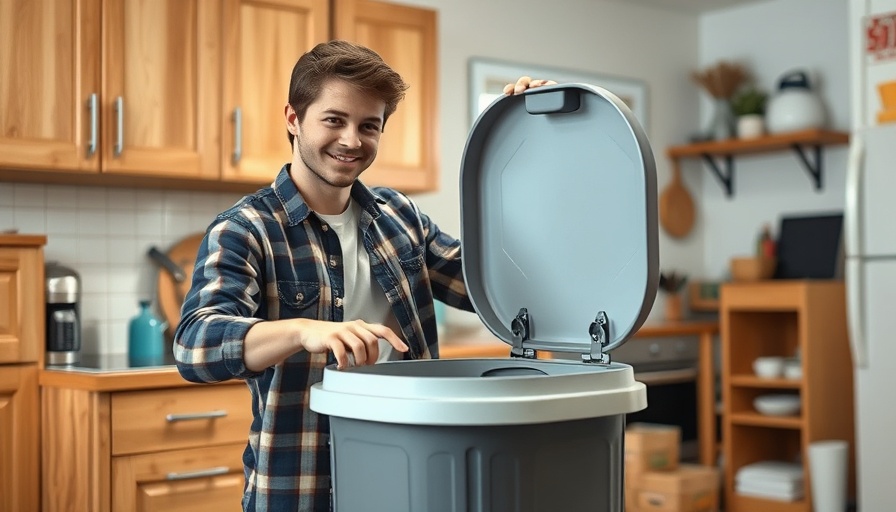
[773, 38]
[104, 233]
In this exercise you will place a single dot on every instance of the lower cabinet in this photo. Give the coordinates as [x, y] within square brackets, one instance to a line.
[144, 450]
[180, 480]
[19, 485]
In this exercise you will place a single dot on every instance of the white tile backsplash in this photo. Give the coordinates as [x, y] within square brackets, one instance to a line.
[30, 219]
[105, 234]
[30, 196]
[62, 220]
[7, 194]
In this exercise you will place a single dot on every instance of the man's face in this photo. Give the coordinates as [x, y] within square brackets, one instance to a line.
[338, 138]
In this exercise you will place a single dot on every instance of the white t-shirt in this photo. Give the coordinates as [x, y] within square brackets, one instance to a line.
[364, 298]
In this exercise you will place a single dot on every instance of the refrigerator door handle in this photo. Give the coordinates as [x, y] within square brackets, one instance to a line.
[855, 175]
[855, 311]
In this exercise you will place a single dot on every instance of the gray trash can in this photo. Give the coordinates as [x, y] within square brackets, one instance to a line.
[559, 230]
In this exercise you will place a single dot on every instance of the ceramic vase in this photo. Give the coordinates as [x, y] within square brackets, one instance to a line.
[146, 342]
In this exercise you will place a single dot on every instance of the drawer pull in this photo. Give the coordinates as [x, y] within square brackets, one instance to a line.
[202, 473]
[190, 416]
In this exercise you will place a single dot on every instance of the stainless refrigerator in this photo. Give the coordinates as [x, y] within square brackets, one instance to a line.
[870, 229]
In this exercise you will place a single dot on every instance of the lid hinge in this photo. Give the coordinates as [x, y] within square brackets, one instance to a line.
[600, 338]
[521, 330]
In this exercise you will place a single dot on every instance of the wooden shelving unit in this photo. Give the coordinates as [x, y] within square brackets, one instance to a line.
[719, 154]
[780, 318]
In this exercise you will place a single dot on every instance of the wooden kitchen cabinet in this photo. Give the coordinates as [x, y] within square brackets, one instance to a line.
[19, 438]
[160, 92]
[21, 349]
[782, 318]
[190, 94]
[49, 67]
[406, 39]
[111, 86]
[262, 42]
[142, 441]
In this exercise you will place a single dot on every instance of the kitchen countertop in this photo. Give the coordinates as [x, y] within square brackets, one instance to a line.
[113, 372]
[15, 240]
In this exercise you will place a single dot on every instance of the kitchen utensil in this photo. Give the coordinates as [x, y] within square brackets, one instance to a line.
[174, 281]
[676, 206]
[795, 106]
[769, 367]
[793, 369]
[777, 405]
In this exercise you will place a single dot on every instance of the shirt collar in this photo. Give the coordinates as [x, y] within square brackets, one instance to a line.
[297, 210]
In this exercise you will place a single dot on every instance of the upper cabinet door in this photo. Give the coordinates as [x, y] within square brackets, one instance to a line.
[262, 42]
[405, 37]
[49, 68]
[161, 66]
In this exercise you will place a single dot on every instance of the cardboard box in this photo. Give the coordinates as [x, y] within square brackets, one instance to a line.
[651, 447]
[689, 488]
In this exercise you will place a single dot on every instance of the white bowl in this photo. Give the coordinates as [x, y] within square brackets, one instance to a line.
[768, 367]
[777, 405]
[793, 369]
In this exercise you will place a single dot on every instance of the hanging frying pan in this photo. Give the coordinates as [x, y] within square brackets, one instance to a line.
[175, 276]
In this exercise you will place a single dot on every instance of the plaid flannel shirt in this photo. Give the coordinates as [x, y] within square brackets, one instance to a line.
[268, 258]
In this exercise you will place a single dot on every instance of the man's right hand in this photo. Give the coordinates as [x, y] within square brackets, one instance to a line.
[357, 337]
[269, 343]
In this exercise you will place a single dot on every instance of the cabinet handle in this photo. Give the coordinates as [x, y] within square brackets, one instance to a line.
[119, 131]
[91, 143]
[190, 416]
[237, 135]
[202, 473]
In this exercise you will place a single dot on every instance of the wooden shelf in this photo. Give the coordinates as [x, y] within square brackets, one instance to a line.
[726, 150]
[760, 420]
[752, 381]
[780, 318]
[741, 502]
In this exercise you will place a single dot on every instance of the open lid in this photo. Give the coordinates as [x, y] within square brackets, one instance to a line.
[559, 220]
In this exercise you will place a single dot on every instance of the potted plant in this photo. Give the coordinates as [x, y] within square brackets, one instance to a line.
[672, 285]
[748, 106]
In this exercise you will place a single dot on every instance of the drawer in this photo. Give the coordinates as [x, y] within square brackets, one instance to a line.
[166, 419]
[190, 480]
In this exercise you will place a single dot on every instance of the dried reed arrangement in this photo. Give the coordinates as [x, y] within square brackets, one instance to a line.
[721, 80]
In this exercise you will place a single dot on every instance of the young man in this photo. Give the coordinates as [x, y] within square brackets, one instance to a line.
[316, 269]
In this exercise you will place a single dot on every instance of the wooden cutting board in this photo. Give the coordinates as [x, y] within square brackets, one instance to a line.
[171, 292]
[676, 206]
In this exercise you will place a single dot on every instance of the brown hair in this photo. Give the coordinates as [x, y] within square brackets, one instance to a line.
[356, 64]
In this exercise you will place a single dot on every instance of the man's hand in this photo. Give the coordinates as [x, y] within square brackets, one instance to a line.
[357, 339]
[524, 83]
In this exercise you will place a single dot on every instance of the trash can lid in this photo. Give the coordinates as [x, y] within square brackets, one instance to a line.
[559, 220]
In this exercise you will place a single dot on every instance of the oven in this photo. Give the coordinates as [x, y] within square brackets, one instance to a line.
[669, 369]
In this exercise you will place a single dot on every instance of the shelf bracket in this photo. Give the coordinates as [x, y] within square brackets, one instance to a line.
[815, 171]
[726, 175]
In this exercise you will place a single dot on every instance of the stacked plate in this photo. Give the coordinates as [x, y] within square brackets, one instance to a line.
[771, 479]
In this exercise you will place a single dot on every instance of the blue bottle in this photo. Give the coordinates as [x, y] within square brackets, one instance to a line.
[146, 340]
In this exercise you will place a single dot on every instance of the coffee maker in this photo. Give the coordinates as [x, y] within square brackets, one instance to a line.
[63, 293]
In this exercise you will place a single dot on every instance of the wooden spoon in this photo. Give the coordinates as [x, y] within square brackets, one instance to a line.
[676, 206]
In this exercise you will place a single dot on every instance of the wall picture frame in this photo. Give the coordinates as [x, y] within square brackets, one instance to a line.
[489, 76]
